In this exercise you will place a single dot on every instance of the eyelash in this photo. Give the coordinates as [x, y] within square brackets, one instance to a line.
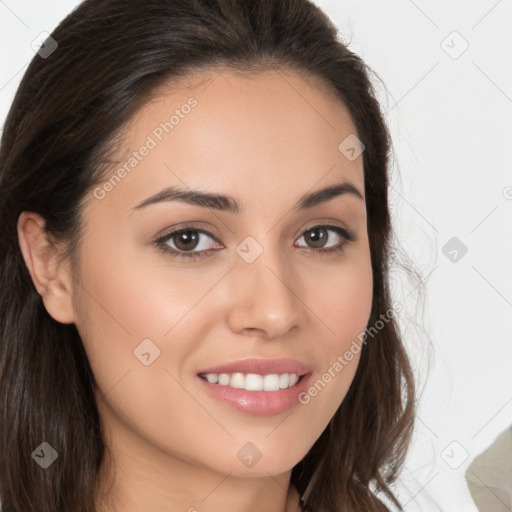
[347, 234]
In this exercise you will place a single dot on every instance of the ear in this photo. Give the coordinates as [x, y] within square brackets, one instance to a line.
[50, 276]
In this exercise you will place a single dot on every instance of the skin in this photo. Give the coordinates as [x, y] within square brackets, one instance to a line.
[265, 140]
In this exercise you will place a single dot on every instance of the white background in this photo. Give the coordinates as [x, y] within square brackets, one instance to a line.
[451, 124]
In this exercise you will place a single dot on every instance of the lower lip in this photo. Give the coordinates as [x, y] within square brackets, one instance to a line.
[261, 403]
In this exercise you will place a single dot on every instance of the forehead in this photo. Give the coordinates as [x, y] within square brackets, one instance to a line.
[243, 131]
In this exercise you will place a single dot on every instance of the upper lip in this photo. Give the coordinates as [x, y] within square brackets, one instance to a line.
[260, 366]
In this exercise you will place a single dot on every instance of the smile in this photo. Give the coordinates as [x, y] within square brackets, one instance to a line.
[253, 381]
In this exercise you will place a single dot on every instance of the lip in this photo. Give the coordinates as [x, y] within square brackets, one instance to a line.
[260, 403]
[260, 367]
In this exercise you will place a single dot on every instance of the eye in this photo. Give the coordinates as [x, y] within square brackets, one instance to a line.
[185, 240]
[318, 236]
[192, 243]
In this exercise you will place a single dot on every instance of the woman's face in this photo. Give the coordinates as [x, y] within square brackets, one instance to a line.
[257, 283]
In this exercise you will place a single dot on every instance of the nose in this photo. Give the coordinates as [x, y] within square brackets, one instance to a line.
[263, 301]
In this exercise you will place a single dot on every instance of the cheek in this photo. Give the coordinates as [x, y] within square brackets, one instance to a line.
[128, 307]
[343, 302]
[122, 303]
[118, 306]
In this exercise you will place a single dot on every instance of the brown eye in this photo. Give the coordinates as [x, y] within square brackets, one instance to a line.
[185, 240]
[317, 237]
[192, 243]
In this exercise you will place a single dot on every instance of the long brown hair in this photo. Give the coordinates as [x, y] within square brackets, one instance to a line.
[111, 56]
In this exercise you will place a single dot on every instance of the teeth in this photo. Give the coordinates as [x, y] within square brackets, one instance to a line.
[237, 380]
[284, 380]
[223, 378]
[253, 381]
[271, 382]
[213, 378]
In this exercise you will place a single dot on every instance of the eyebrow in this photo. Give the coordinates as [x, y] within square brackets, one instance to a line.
[231, 205]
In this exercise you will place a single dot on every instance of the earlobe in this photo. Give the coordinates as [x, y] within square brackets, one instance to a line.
[50, 276]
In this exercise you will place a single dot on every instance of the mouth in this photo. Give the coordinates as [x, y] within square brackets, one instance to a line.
[260, 387]
[253, 381]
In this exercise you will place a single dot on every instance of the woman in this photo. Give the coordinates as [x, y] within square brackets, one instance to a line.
[195, 309]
